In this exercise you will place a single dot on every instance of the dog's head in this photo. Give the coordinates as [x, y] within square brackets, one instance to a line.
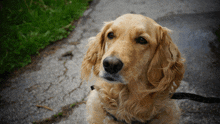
[132, 49]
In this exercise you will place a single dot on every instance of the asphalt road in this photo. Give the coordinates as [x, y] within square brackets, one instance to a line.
[53, 79]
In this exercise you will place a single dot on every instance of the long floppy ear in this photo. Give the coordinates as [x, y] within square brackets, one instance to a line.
[94, 53]
[166, 68]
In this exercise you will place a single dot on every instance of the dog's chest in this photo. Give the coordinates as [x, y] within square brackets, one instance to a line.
[120, 104]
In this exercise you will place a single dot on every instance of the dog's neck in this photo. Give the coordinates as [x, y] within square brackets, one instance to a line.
[123, 99]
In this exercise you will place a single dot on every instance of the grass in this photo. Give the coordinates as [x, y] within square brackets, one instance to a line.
[30, 25]
[60, 114]
[72, 105]
[55, 116]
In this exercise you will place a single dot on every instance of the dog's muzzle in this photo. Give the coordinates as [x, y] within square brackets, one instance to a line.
[112, 64]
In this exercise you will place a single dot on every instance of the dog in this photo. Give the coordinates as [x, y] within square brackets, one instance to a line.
[137, 66]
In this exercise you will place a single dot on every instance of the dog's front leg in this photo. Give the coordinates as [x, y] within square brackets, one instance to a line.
[95, 111]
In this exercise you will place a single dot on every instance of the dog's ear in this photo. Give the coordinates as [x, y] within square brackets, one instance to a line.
[94, 53]
[166, 68]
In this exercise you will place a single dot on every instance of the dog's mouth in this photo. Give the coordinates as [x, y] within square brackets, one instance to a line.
[110, 79]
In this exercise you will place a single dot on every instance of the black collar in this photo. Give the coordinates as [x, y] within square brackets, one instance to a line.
[123, 121]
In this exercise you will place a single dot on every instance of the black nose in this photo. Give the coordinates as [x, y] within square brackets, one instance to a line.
[112, 65]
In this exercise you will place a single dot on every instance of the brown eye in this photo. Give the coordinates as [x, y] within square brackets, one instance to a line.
[141, 40]
[111, 35]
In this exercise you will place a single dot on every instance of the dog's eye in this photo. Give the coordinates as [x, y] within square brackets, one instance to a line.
[111, 35]
[141, 40]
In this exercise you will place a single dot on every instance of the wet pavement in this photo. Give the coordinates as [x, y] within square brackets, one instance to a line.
[53, 80]
[194, 34]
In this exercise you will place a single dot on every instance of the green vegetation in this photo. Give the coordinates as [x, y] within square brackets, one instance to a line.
[72, 105]
[60, 114]
[30, 25]
[55, 116]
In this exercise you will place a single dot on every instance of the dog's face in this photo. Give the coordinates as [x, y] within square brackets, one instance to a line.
[130, 42]
[132, 48]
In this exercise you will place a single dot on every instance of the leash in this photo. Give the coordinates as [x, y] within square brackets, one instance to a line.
[195, 97]
[177, 96]
[190, 96]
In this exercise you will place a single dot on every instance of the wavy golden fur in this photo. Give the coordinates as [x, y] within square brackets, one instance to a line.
[150, 72]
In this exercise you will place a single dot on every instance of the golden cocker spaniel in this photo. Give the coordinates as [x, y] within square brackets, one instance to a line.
[137, 67]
